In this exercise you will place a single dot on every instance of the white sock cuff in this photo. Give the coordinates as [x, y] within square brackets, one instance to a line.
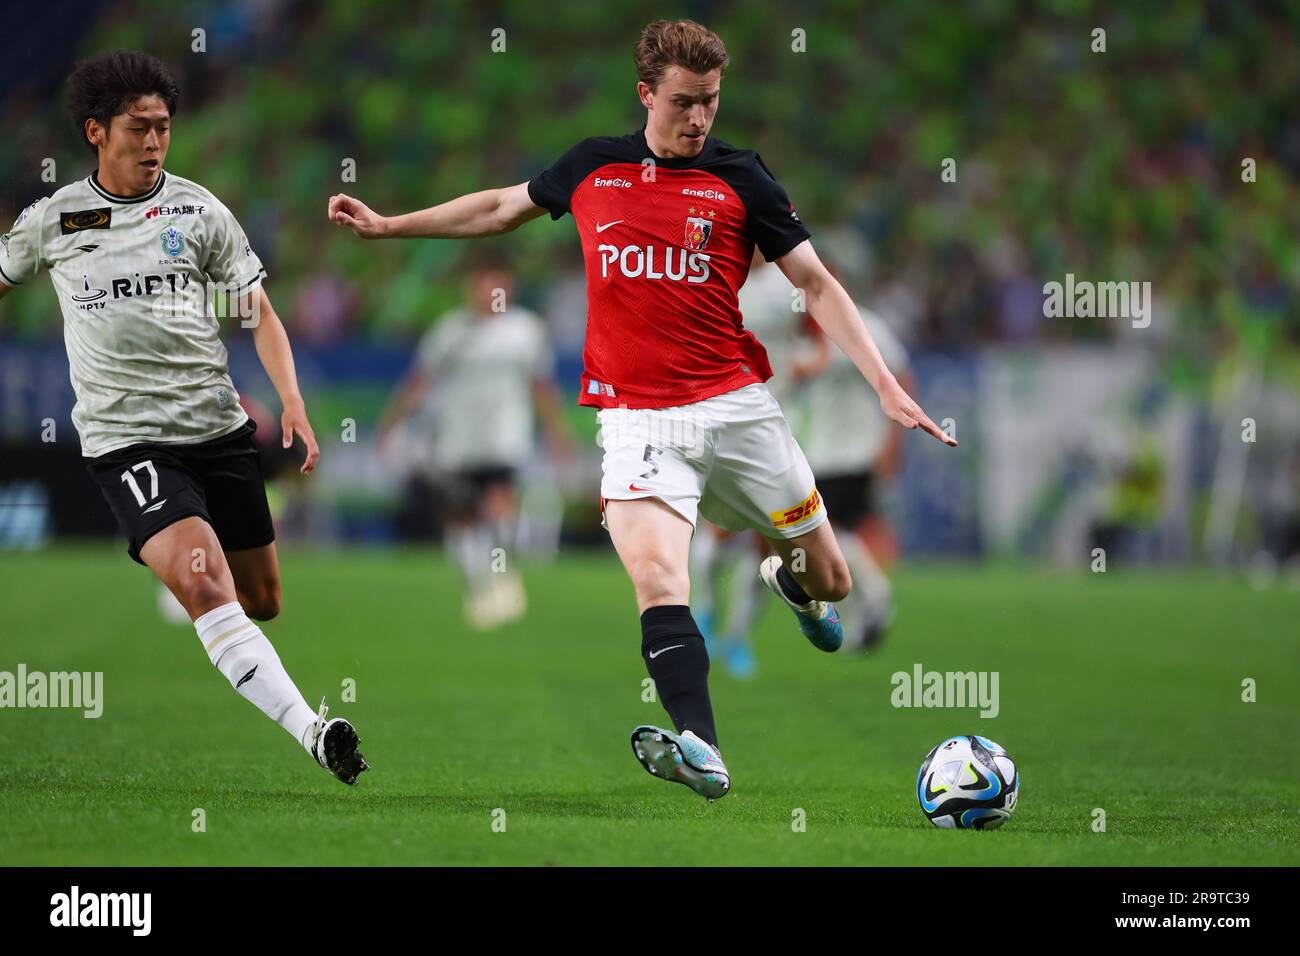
[224, 627]
[217, 614]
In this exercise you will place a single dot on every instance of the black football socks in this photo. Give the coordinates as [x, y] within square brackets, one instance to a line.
[790, 587]
[678, 662]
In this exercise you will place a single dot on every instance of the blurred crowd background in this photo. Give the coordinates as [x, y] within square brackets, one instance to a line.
[1177, 442]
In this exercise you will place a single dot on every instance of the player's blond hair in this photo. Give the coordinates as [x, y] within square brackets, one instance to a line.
[683, 43]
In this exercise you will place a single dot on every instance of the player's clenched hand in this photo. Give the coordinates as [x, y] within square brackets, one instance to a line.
[363, 220]
[294, 422]
[899, 406]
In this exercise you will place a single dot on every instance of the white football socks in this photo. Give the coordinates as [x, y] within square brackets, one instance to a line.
[747, 588]
[238, 648]
[870, 585]
[707, 570]
[471, 546]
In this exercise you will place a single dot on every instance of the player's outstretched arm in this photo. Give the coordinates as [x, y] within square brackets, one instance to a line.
[835, 312]
[487, 213]
[272, 343]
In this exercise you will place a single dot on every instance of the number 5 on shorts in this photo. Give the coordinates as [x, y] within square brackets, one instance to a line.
[654, 465]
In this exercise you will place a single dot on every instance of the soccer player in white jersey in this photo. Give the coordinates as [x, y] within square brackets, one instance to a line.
[853, 451]
[668, 218]
[849, 446]
[479, 373]
[134, 253]
[797, 353]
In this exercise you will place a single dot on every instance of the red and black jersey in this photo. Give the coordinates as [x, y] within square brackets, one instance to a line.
[667, 245]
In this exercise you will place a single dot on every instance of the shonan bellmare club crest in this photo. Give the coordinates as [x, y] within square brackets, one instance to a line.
[698, 230]
[173, 241]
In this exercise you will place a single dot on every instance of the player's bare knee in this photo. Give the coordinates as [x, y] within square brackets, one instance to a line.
[262, 605]
[832, 583]
[661, 591]
[656, 581]
[841, 583]
[199, 592]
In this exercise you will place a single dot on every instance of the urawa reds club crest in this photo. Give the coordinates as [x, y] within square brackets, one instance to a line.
[698, 230]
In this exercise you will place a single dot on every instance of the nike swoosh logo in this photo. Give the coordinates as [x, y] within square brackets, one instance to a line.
[246, 678]
[154, 507]
[633, 487]
[663, 650]
[600, 228]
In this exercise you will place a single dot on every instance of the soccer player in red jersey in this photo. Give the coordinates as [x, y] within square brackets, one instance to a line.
[669, 219]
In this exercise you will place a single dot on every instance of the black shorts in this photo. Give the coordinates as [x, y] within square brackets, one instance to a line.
[150, 486]
[464, 489]
[848, 498]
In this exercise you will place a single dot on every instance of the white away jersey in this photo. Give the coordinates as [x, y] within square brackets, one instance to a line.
[844, 428]
[132, 276]
[482, 370]
[767, 303]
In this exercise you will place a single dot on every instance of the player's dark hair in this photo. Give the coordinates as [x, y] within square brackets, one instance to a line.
[683, 43]
[103, 86]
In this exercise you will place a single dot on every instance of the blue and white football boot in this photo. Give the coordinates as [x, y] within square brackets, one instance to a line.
[818, 620]
[682, 758]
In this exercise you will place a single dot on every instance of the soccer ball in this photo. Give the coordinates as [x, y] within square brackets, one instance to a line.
[968, 782]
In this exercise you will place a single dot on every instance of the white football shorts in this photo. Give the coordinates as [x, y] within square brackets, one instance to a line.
[731, 458]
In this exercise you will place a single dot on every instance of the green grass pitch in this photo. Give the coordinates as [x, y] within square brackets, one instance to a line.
[1119, 691]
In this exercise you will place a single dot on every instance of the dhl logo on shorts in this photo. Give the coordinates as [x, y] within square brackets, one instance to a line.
[804, 509]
